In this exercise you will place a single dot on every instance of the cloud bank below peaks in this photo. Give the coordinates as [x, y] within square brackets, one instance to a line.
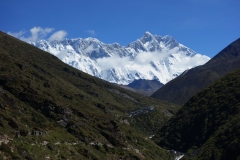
[145, 61]
[38, 33]
[141, 59]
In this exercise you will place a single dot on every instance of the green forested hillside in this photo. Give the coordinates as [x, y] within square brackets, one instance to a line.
[51, 110]
[207, 126]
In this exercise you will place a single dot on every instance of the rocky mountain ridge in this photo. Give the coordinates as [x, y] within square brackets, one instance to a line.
[150, 57]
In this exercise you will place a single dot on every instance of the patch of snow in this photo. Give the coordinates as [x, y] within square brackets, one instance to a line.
[150, 57]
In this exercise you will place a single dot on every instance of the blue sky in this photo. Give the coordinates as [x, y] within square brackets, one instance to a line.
[206, 26]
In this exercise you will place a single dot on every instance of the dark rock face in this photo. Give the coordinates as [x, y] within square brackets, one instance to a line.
[1, 122]
[145, 84]
[13, 124]
[182, 88]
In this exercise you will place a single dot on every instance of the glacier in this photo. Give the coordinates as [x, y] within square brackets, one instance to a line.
[149, 57]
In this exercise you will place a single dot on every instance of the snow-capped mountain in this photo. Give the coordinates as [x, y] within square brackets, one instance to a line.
[150, 57]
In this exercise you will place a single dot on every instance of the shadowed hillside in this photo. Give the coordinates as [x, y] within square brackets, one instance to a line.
[51, 110]
[143, 86]
[182, 88]
[207, 126]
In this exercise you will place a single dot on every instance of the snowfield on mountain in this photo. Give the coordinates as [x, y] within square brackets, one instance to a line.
[150, 57]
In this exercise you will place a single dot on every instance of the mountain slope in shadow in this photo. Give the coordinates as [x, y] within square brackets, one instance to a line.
[208, 125]
[182, 88]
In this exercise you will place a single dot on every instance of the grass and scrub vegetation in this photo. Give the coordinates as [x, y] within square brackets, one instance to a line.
[51, 110]
[208, 125]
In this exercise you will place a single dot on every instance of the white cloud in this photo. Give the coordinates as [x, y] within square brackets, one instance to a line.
[17, 34]
[142, 59]
[113, 61]
[91, 32]
[194, 61]
[59, 35]
[142, 62]
[38, 33]
[147, 57]
[90, 49]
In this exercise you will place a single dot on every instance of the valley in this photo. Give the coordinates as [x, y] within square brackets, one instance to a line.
[51, 110]
[81, 116]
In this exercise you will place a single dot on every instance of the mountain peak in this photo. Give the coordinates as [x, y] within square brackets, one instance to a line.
[111, 61]
[147, 37]
[147, 33]
[168, 38]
